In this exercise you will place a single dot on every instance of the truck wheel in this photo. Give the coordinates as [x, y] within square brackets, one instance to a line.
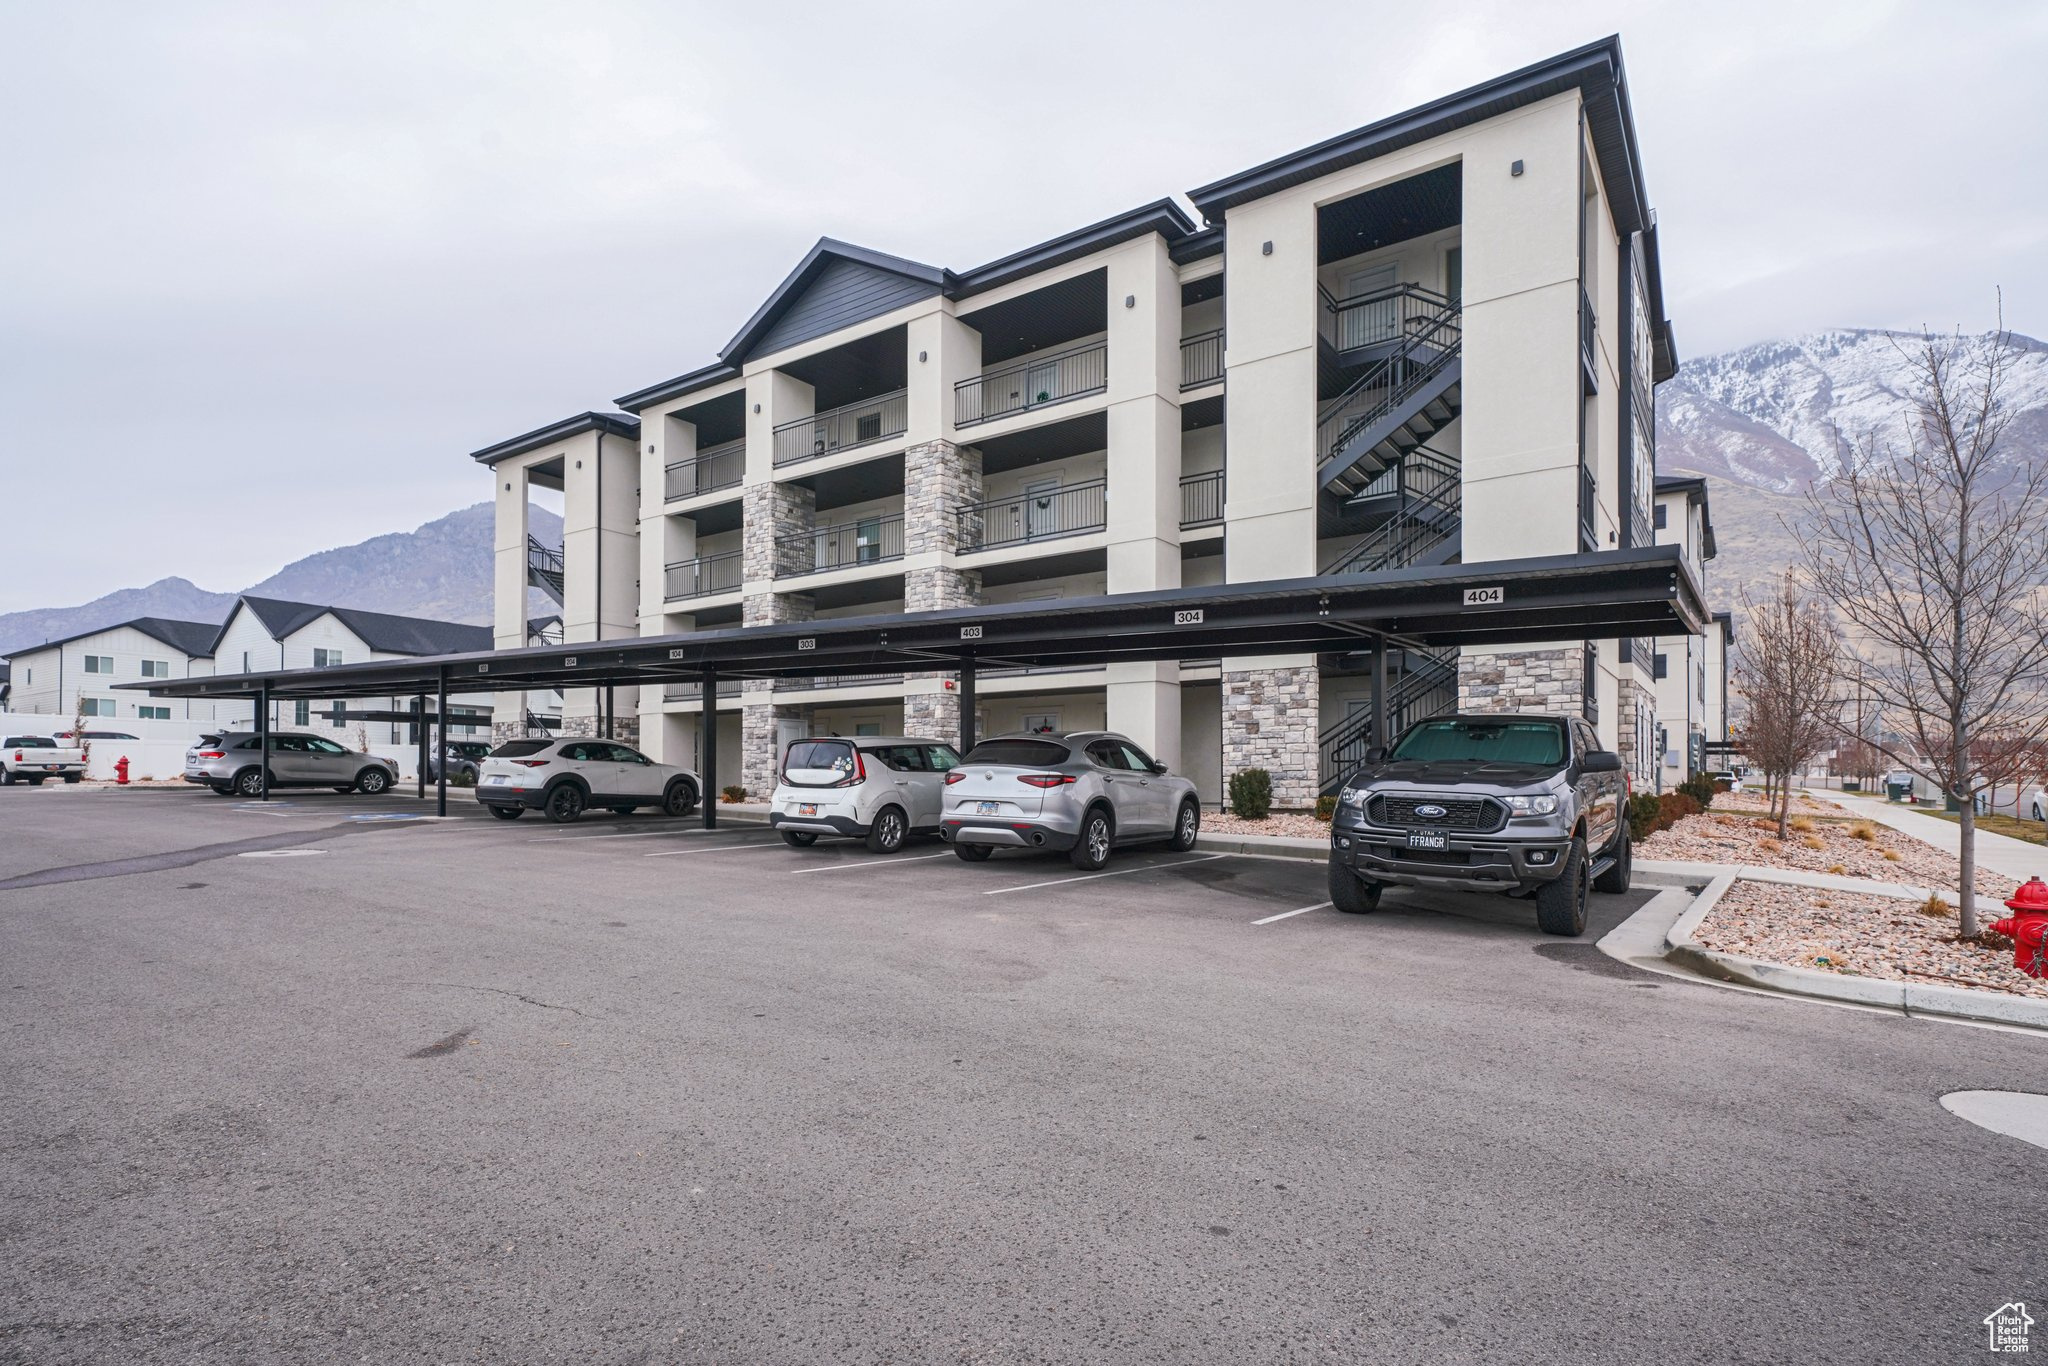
[1616, 879]
[1351, 893]
[6, 777]
[71, 777]
[1561, 902]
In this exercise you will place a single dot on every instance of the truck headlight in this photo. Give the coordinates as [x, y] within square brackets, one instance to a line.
[1531, 806]
[1351, 796]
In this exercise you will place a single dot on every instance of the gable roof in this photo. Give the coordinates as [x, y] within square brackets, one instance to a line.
[381, 631]
[611, 424]
[194, 638]
[836, 285]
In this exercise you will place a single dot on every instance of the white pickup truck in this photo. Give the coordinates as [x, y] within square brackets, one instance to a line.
[32, 758]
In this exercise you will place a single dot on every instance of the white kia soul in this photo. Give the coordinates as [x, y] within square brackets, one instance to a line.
[878, 788]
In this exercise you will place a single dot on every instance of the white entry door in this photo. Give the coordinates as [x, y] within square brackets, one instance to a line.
[1365, 324]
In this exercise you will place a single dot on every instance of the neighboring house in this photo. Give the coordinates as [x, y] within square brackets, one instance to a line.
[1691, 672]
[79, 672]
[6, 685]
[1430, 340]
[265, 633]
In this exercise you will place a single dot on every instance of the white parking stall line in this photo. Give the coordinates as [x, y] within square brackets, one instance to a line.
[644, 834]
[723, 849]
[1090, 877]
[854, 865]
[1284, 914]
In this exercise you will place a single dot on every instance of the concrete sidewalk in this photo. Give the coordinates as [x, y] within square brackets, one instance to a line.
[2002, 854]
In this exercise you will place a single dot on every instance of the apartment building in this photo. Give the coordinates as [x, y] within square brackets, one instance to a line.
[1431, 340]
[262, 633]
[1691, 672]
[75, 676]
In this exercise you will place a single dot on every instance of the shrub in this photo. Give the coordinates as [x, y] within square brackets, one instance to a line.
[1769, 846]
[1802, 825]
[1643, 810]
[1936, 907]
[733, 793]
[1326, 808]
[462, 777]
[1837, 869]
[1813, 841]
[1861, 831]
[1891, 856]
[1700, 788]
[1251, 794]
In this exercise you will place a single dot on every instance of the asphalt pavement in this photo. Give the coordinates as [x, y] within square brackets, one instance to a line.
[323, 1082]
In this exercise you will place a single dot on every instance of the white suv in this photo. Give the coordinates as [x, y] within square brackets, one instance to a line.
[880, 788]
[565, 777]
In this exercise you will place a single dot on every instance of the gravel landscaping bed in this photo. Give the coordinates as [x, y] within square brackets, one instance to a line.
[1299, 824]
[1753, 803]
[1720, 836]
[1859, 935]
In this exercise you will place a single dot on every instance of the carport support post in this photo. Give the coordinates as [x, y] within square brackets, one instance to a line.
[263, 737]
[707, 750]
[966, 704]
[419, 735]
[611, 715]
[1379, 693]
[441, 741]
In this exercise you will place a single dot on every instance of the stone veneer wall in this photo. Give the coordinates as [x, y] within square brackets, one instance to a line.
[1549, 681]
[938, 479]
[758, 756]
[625, 728]
[772, 510]
[935, 715]
[1636, 716]
[1270, 719]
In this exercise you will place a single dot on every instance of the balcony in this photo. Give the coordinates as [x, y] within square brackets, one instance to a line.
[1589, 509]
[1201, 359]
[709, 470]
[693, 692]
[1036, 381]
[703, 576]
[1589, 341]
[838, 681]
[868, 540]
[1041, 515]
[1381, 317]
[842, 429]
[1201, 499]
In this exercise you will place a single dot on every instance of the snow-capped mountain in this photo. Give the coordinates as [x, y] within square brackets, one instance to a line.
[1775, 415]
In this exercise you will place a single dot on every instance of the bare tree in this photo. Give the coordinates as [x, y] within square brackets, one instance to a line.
[1933, 554]
[1787, 669]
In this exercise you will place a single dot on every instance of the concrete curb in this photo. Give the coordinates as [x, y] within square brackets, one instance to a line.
[1958, 1003]
[1265, 846]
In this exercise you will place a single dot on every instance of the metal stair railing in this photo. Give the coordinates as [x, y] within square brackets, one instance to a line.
[1379, 316]
[1423, 352]
[1430, 487]
[1427, 685]
[544, 567]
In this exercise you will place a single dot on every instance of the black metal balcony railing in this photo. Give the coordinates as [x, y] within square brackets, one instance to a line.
[838, 681]
[703, 576]
[1037, 515]
[868, 540]
[712, 468]
[1201, 359]
[1589, 340]
[1032, 382]
[1429, 343]
[690, 692]
[1379, 316]
[1201, 499]
[1589, 507]
[843, 429]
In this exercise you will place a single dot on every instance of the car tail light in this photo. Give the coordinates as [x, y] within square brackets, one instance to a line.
[1046, 779]
[203, 754]
[859, 774]
[531, 763]
[955, 776]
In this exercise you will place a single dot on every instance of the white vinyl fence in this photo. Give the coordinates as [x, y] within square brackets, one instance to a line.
[158, 749]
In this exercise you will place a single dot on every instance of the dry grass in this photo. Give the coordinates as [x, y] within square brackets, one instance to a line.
[1769, 846]
[1937, 907]
[1813, 842]
[1864, 831]
[1838, 870]
[1802, 825]
[1891, 855]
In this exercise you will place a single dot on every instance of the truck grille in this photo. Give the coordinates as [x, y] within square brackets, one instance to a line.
[1479, 814]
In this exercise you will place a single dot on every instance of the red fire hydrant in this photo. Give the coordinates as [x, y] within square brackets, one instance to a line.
[2028, 926]
[121, 771]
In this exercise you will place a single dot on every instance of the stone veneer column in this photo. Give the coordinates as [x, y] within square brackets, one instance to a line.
[938, 479]
[772, 510]
[758, 709]
[930, 710]
[1269, 721]
[1548, 681]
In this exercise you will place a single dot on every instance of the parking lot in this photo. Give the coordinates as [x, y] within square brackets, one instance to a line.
[320, 1080]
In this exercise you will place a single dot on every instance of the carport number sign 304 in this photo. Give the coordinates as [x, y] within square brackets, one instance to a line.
[1190, 616]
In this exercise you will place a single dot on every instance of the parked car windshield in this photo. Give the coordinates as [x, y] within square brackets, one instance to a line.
[516, 749]
[1500, 742]
[1023, 753]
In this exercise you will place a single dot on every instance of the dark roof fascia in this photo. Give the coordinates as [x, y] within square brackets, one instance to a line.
[1690, 483]
[703, 377]
[1727, 620]
[1663, 343]
[734, 352]
[1694, 487]
[1198, 245]
[156, 628]
[1162, 216]
[1594, 69]
[614, 424]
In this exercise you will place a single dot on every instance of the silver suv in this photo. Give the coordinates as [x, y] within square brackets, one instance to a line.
[231, 764]
[1082, 793]
[878, 788]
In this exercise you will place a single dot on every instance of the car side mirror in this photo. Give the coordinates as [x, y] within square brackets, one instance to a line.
[1601, 761]
[1158, 768]
[1377, 754]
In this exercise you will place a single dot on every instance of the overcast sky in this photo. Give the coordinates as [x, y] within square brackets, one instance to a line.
[271, 272]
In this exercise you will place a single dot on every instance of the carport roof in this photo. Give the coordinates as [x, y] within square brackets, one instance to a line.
[1646, 591]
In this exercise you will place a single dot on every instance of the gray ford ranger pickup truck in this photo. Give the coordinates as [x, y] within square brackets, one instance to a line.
[1526, 805]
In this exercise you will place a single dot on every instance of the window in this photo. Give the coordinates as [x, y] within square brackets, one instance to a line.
[317, 745]
[1041, 723]
[156, 668]
[1504, 742]
[97, 706]
[619, 754]
[868, 728]
[153, 713]
[1454, 274]
[1022, 753]
[1137, 759]
[99, 664]
[1658, 666]
[1659, 517]
[941, 758]
[326, 659]
[1591, 698]
[902, 758]
[302, 713]
[1109, 754]
[337, 715]
[245, 661]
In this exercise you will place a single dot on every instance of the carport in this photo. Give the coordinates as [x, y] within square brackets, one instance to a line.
[1603, 595]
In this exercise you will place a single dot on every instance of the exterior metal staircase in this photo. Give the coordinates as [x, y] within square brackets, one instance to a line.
[1400, 401]
[544, 568]
[1424, 526]
[1426, 685]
